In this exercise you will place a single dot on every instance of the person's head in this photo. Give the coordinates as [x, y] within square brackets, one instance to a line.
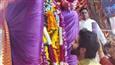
[88, 44]
[69, 4]
[73, 4]
[84, 13]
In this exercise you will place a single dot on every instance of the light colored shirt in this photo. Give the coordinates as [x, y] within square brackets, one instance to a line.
[88, 62]
[88, 24]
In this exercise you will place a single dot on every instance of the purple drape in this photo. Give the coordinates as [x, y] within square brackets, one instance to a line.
[72, 29]
[24, 18]
[94, 27]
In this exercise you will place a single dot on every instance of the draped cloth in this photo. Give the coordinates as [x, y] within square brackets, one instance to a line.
[6, 49]
[25, 23]
[71, 28]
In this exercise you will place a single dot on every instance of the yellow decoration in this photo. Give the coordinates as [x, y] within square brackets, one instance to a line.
[51, 21]
[44, 39]
[54, 33]
[46, 48]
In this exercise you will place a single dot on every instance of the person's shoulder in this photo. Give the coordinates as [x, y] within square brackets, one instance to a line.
[92, 20]
[81, 21]
[70, 13]
[74, 12]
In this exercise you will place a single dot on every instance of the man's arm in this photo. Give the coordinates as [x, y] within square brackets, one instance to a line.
[99, 33]
[103, 59]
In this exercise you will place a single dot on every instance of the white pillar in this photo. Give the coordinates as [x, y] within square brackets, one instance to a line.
[112, 21]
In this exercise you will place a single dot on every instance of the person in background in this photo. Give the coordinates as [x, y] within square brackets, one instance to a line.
[91, 25]
[71, 27]
[88, 47]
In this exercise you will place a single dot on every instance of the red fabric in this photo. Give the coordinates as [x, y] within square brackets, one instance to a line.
[51, 53]
[62, 50]
[105, 61]
[112, 61]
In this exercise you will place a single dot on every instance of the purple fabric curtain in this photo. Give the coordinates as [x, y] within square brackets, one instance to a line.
[99, 33]
[24, 18]
[72, 29]
[94, 27]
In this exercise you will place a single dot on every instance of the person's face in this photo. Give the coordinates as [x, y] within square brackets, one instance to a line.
[80, 51]
[65, 4]
[75, 43]
[74, 4]
[84, 14]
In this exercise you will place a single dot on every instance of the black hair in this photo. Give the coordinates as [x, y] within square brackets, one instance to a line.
[83, 8]
[62, 7]
[89, 41]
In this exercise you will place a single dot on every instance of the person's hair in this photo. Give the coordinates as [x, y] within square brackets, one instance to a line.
[62, 7]
[89, 41]
[83, 8]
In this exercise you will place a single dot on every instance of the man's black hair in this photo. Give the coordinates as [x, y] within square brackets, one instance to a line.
[83, 8]
[89, 41]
